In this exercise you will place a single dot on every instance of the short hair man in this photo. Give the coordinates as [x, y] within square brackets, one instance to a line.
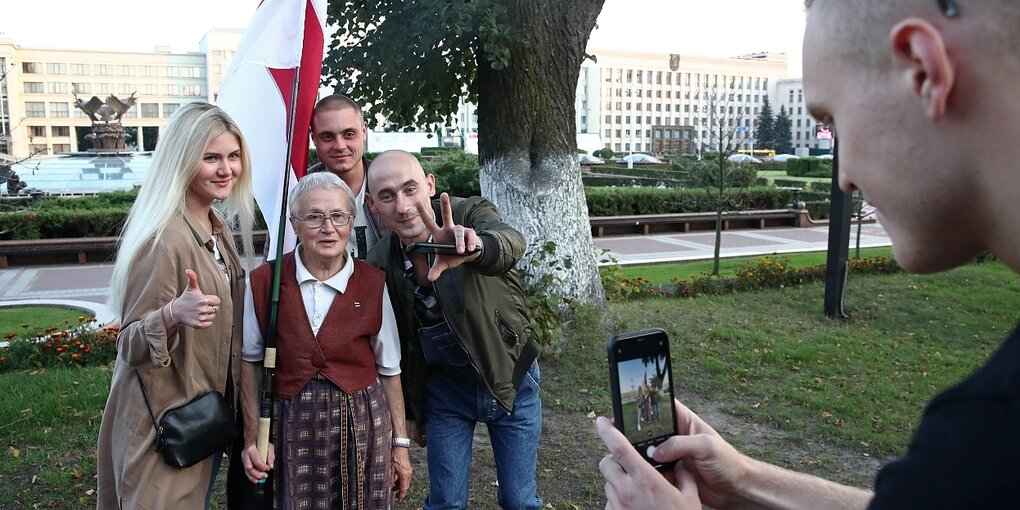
[912, 87]
[470, 355]
[339, 133]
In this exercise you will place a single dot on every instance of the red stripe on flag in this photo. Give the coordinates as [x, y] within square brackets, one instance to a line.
[308, 87]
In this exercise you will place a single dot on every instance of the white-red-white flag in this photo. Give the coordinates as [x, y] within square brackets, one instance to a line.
[282, 46]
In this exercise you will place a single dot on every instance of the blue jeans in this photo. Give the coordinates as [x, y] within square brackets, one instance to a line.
[455, 400]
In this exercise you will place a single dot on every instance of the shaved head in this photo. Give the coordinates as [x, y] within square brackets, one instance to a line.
[860, 29]
[396, 159]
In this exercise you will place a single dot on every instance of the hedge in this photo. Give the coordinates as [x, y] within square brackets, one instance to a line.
[628, 201]
[808, 167]
[84, 217]
[60, 223]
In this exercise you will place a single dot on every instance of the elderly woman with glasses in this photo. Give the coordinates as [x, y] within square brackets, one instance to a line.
[338, 433]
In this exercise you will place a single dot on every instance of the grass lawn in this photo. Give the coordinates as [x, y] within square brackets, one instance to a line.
[817, 391]
[665, 273]
[39, 318]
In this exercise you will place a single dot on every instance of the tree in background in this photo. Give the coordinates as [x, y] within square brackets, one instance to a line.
[722, 179]
[782, 132]
[764, 129]
[412, 62]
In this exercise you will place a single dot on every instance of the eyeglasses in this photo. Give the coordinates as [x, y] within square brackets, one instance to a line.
[317, 220]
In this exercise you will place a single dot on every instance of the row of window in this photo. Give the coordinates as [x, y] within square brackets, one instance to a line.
[621, 92]
[38, 109]
[112, 70]
[148, 89]
[55, 131]
[669, 107]
[638, 119]
[644, 76]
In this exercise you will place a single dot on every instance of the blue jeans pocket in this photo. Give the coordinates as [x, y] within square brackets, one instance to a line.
[440, 346]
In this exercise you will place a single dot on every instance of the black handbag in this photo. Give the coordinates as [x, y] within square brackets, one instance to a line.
[191, 433]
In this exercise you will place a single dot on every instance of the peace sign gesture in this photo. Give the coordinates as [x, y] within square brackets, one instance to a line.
[463, 237]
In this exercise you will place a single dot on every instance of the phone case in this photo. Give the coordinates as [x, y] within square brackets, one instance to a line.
[641, 381]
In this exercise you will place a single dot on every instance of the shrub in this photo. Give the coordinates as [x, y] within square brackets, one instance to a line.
[54, 223]
[790, 183]
[544, 307]
[818, 210]
[627, 201]
[456, 173]
[820, 187]
[79, 345]
[438, 151]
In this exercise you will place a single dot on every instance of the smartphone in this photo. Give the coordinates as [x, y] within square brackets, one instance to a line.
[438, 249]
[642, 385]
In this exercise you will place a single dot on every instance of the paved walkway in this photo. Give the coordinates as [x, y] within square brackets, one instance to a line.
[86, 286]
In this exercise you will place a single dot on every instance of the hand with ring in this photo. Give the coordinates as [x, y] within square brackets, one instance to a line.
[463, 237]
[193, 307]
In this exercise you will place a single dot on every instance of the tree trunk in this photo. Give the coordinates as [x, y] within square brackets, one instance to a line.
[531, 171]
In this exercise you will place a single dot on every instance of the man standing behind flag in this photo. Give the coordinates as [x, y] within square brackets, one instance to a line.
[339, 133]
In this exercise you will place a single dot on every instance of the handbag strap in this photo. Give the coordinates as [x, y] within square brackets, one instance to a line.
[148, 406]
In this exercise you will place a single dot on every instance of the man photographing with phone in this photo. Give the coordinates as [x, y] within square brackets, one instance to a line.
[468, 353]
[911, 87]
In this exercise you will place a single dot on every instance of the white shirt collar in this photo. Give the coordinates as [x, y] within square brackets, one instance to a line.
[337, 281]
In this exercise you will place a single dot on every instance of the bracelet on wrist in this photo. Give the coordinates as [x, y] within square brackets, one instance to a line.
[401, 442]
[170, 307]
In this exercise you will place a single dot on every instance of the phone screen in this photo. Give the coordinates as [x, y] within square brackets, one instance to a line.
[642, 379]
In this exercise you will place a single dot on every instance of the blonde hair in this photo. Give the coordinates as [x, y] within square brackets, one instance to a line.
[161, 198]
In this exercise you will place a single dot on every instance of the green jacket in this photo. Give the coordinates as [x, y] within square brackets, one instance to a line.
[483, 302]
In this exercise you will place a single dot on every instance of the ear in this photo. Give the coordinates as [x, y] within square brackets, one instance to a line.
[919, 49]
[370, 202]
[430, 180]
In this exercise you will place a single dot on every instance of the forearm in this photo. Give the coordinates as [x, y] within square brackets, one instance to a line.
[146, 341]
[395, 397]
[768, 486]
[251, 384]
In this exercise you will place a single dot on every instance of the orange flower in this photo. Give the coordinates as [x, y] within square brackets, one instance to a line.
[10, 336]
[75, 356]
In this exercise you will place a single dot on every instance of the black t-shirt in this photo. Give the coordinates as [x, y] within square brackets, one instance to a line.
[966, 451]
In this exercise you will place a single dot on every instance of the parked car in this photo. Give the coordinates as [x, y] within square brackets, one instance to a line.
[743, 158]
[588, 159]
[639, 158]
[826, 157]
[782, 158]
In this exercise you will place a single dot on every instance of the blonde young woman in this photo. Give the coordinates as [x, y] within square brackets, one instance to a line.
[178, 287]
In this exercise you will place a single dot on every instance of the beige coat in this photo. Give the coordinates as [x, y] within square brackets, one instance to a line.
[175, 370]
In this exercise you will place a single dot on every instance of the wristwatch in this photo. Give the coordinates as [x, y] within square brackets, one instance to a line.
[401, 442]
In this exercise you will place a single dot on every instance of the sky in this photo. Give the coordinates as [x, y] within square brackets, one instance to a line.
[693, 27]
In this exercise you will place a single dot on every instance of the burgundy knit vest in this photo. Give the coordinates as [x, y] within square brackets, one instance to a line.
[342, 351]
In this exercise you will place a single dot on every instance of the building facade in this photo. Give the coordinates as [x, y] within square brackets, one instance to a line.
[806, 132]
[670, 103]
[627, 101]
[39, 86]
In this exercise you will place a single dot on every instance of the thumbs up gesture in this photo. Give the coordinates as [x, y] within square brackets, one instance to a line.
[192, 307]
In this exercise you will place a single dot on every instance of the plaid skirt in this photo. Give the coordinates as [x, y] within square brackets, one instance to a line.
[332, 449]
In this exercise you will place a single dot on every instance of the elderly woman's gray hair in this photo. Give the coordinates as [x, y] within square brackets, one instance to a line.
[320, 180]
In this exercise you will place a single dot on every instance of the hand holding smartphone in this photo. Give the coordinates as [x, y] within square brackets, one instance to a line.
[642, 385]
[439, 249]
